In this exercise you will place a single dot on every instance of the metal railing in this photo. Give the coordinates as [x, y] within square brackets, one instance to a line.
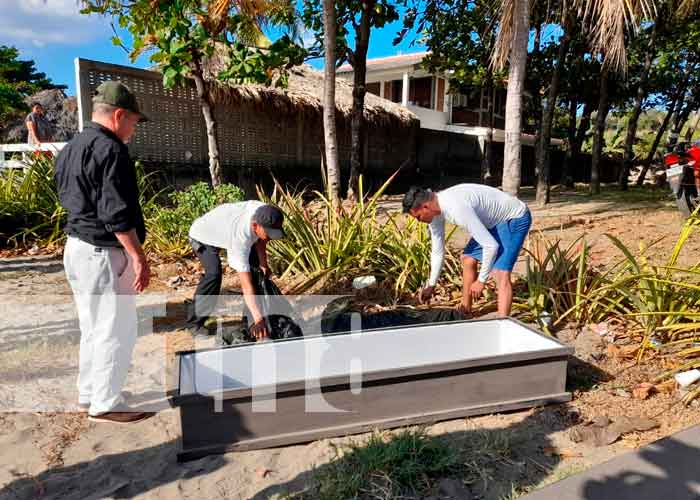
[25, 150]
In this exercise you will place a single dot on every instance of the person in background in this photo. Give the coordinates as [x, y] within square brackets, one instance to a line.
[498, 224]
[39, 129]
[244, 230]
[103, 258]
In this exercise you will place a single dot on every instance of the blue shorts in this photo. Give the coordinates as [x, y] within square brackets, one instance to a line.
[510, 236]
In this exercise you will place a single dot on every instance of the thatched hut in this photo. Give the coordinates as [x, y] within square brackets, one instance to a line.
[260, 128]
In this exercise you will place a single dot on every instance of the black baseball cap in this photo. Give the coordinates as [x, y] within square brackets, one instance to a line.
[117, 94]
[271, 219]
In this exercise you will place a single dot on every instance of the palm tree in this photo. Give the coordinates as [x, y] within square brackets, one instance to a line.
[330, 137]
[606, 21]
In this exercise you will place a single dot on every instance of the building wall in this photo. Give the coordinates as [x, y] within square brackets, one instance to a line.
[253, 141]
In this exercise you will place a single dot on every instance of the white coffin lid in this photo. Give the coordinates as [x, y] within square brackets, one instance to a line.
[355, 354]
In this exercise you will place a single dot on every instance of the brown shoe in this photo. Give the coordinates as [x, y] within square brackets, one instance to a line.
[121, 417]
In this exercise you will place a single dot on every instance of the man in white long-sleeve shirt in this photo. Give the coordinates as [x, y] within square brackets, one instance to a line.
[498, 224]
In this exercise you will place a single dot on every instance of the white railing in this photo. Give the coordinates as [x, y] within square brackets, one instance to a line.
[26, 150]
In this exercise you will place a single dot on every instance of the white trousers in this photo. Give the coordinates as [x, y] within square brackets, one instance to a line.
[101, 279]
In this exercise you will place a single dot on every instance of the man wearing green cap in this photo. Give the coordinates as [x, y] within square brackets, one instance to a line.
[104, 261]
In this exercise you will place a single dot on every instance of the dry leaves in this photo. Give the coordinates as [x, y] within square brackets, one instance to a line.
[643, 390]
[563, 453]
[667, 387]
[622, 352]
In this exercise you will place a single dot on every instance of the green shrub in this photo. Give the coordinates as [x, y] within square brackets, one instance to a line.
[29, 207]
[168, 226]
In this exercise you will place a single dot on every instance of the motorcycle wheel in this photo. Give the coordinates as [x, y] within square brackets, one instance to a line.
[687, 200]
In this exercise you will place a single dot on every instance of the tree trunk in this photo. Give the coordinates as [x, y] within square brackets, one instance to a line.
[487, 159]
[516, 78]
[657, 140]
[209, 122]
[637, 111]
[567, 178]
[543, 158]
[684, 114]
[691, 130]
[359, 65]
[330, 137]
[536, 99]
[603, 108]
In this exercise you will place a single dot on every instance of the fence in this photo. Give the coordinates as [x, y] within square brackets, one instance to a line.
[25, 150]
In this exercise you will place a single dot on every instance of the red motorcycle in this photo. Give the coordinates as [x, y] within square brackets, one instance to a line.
[682, 164]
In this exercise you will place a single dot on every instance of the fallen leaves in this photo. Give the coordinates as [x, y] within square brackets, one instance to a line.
[643, 390]
[602, 431]
[667, 387]
[563, 453]
[622, 352]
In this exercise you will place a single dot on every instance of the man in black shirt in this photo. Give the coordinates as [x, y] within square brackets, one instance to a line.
[104, 261]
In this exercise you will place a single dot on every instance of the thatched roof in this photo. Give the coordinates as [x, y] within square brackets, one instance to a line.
[304, 94]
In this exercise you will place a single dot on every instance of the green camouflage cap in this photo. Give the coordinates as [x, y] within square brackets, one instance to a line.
[117, 94]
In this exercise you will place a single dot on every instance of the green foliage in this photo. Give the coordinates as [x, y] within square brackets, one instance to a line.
[29, 205]
[325, 245]
[460, 36]
[168, 226]
[349, 13]
[18, 79]
[387, 466]
[403, 257]
[183, 33]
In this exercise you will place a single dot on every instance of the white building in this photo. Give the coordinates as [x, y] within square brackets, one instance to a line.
[403, 80]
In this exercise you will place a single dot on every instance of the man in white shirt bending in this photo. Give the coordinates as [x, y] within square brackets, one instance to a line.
[498, 224]
[243, 229]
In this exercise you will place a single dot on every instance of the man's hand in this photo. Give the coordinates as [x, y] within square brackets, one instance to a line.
[142, 273]
[259, 330]
[425, 294]
[266, 271]
[464, 307]
[476, 289]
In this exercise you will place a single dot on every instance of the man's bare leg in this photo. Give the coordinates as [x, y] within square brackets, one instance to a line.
[469, 275]
[504, 287]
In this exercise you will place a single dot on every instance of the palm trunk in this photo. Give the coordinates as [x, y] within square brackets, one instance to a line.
[603, 108]
[657, 140]
[567, 178]
[534, 89]
[209, 122]
[543, 157]
[359, 66]
[487, 160]
[516, 79]
[330, 137]
[637, 111]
